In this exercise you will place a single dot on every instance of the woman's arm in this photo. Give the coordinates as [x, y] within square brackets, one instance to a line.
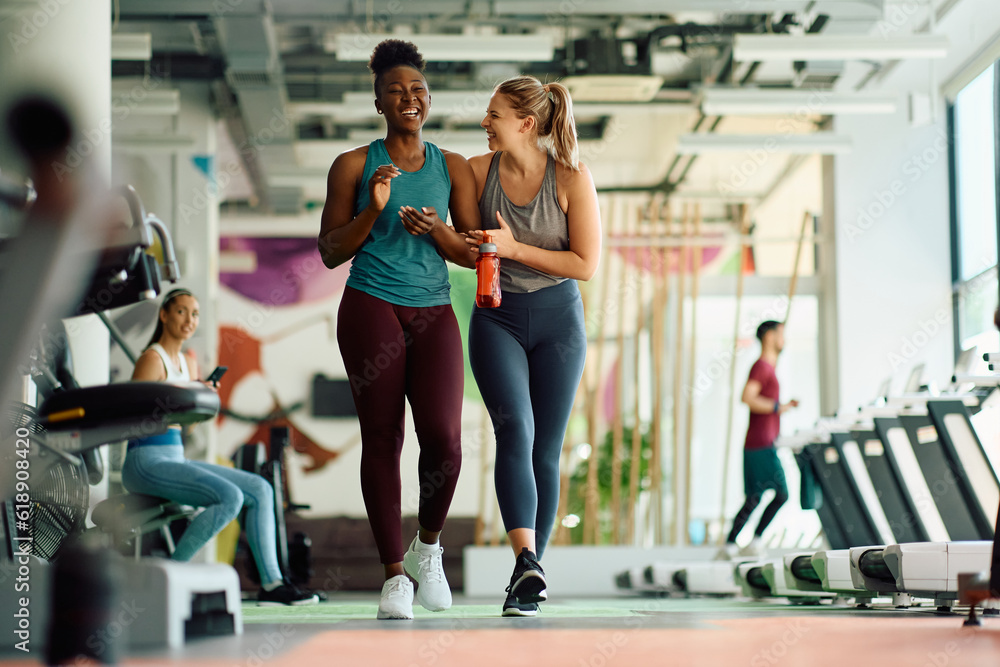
[341, 233]
[464, 214]
[149, 368]
[583, 218]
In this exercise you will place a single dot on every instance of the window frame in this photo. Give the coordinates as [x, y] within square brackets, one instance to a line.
[958, 284]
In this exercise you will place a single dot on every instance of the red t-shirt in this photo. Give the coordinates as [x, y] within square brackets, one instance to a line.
[763, 429]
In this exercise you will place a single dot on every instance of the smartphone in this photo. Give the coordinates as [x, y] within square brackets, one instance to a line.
[217, 374]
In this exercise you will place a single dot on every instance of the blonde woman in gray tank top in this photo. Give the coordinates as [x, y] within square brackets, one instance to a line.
[527, 355]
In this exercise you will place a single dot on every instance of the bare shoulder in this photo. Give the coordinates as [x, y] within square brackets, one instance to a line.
[481, 164]
[453, 159]
[149, 367]
[572, 179]
[351, 159]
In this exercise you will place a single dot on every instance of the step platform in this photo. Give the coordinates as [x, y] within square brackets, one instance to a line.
[174, 601]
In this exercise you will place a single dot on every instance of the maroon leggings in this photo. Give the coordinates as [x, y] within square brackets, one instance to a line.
[393, 353]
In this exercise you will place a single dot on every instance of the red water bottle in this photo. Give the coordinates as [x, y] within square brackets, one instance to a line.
[488, 274]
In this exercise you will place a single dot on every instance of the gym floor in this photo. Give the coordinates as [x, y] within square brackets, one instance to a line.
[594, 633]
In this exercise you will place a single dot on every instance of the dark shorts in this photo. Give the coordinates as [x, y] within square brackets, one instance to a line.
[762, 470]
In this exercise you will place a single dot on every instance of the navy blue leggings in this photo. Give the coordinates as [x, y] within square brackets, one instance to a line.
[527, 357]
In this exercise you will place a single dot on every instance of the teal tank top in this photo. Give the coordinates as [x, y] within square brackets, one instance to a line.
[392, 264]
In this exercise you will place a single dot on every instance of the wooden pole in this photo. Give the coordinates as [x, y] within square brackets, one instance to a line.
[727, 444]
[688, 463]
[618, 423]
[795, 269]
[636, 456]
[661, 289]
[678, 380]
[591, 495]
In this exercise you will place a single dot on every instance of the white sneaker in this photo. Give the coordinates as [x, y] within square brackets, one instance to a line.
[727, 551]
[423, 563]
[755, 548]
[397, 598]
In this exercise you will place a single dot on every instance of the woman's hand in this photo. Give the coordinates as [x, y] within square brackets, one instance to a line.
[507, 245]
[379, 186]
[420, 221]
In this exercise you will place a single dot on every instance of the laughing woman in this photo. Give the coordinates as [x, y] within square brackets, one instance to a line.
[527, 355]
[385, 209]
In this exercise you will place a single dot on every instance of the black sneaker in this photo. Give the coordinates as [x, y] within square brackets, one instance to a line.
[527, 584]
[511, 607]
[286, 594]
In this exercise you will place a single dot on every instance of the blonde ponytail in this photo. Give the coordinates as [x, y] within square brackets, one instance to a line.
[562, 127]
[552, 108]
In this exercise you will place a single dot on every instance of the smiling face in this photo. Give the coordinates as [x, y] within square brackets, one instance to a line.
[403, 98]
[180, 318]
[502, 125]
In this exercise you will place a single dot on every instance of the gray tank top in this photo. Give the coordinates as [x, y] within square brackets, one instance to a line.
[540, 223]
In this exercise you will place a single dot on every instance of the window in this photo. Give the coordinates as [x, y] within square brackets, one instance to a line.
[974, 120]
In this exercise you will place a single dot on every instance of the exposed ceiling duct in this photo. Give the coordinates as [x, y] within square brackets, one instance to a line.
[254, 73]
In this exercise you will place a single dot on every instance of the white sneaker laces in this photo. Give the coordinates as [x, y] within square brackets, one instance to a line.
[430, 567]
[396, 589]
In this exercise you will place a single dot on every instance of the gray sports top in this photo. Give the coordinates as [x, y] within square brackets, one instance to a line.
[540, 223]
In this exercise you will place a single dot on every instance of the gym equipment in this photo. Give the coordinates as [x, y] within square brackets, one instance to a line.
[930, 569]
[869, 572]
[975, 477]
[712, 578]
[46, 272]
[834, 570]
[182, 600]
[270, 465]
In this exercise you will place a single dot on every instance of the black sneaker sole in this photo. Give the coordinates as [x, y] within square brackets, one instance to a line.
[514, 611]
[529, 588]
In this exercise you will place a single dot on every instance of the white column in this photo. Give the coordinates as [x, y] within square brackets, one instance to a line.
[62, 49]
[194, 226]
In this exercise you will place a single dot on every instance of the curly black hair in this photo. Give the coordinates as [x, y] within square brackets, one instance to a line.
[391, 53]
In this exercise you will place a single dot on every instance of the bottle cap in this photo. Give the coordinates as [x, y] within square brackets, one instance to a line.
[487, 245]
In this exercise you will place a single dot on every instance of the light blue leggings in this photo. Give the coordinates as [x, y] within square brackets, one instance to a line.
[161, 470]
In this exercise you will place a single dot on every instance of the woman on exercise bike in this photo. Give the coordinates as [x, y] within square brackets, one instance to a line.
[156, 465]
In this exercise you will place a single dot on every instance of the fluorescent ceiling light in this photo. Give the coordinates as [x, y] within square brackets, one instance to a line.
[144, 102]
[470, 107]
[825, 143]
[613, 88]
[437, 136]
[151, 143]
[837, 47]
[643, 7]
[449, 48]
[132, 46]
[758, 101]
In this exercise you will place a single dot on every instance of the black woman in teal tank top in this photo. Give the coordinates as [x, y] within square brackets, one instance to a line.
[385, 211]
